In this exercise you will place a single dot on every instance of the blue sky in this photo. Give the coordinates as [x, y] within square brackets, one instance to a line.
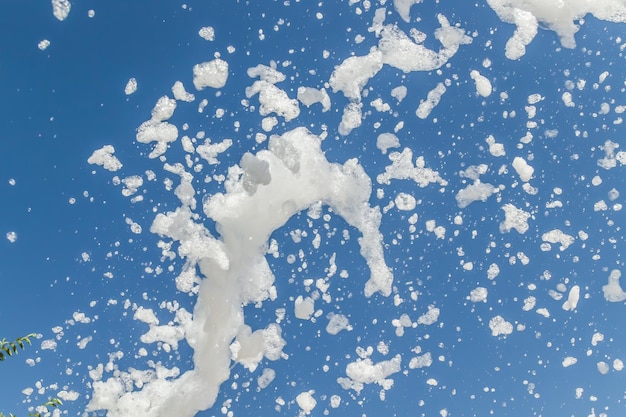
[75, 253]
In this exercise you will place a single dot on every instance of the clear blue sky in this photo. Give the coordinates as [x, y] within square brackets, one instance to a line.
[75, 251]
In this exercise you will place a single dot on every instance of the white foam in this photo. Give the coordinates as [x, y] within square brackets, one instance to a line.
[162, 133]
[166, 333]
[493, 271]
[337, 323]
[353, 74]
[402, 168]
[48, 344]
[495, 149]
[212, 74]
[522, 168]
[351, 118]
[603, 367]
[163, 109]
[273, 100]
[596, 337]
[131, 185]
[43, 44]
[61, 9]
[209, 151]
[266, 378]
[399, 51]
[572, 299]
[514, 219]
[611, 158]
[477, 191]
[567, 99]
[267, 188]
[399, 93]
[500, 327]
[385, 141]
[422, 361]
[365, 371]
[268, 74]
[474, 172]
[207, 33]
[237, 272]
[249, 347]
[68, 395]
[396, 49]
[179, 92]
[569, 361]
[483, 85]
[557, 15]
[268, 123]
[380, 105]
[105, 158]
[403, 8]
[529, 303]
[306, 402]
[309, 96]
[432, 382]
[479, 294]
[301, 176]
[405, 202]
[558, 236]
[82, 343]
[146, 315]
[131, 86]
[304, 308]
[432, 100]
[430, 317]
[612, 290]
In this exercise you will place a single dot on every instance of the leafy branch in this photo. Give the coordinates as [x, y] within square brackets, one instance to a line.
[11, 348]
[52, 402]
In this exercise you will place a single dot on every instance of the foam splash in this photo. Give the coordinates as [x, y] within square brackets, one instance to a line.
[236, 272]
[269, 187]
[561, 16]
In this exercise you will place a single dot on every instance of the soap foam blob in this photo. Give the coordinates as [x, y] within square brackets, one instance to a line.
[131, 86]
[210, 74]
[105, 157]
[306, 402]
[403, 8]
[291, 176]
[61, 9]
[483, 85]
[613, 291]
[557, 15]
[272, 98]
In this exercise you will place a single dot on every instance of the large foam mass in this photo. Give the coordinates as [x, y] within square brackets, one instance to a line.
[292, 175]
[561, 16]
[300, 177]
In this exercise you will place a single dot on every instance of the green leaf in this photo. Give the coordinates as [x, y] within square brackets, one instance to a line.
[9, 349]
[53, 402]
